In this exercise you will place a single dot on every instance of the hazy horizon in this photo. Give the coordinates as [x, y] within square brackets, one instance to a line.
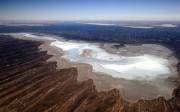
[73, 10]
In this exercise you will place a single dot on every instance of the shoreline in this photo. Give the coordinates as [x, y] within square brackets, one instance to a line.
[43, 87]
[88, 68]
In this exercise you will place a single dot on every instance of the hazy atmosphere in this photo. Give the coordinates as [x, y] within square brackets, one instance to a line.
[90, 10]
[90, 55]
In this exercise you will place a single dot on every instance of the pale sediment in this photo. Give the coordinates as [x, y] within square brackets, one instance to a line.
[130, 89]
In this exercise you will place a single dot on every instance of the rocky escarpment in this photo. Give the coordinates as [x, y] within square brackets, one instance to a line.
[29, 83]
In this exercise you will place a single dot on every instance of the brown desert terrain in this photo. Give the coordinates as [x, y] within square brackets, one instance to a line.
[28, 83]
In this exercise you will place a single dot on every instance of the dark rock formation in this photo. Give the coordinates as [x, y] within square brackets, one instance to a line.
[28, 83]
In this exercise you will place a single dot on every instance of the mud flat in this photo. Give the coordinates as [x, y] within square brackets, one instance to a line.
[133, 82]
[166, 25]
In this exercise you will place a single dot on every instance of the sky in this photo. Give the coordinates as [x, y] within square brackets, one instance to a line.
[89, 9]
